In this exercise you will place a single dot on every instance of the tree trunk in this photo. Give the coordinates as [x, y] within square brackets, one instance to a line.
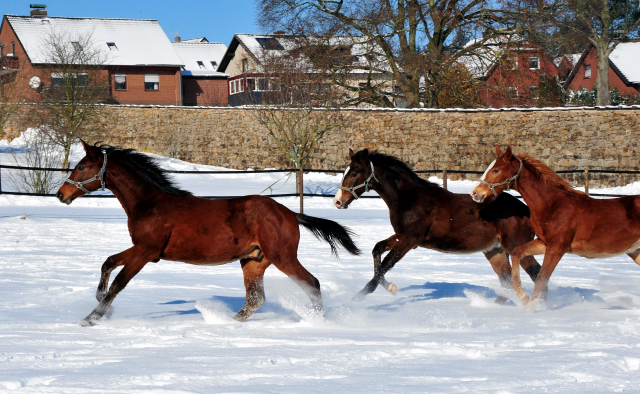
[602, 79]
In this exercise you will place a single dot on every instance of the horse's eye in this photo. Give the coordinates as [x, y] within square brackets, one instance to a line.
[354, 175]
[496, 171]
[81, 168]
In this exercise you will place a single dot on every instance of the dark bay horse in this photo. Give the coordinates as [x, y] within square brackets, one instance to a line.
[565, 220]
[424, 214]
[168, 223]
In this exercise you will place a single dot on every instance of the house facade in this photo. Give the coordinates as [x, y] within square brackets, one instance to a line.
[140, 63]
[202, 84]
[624, 69]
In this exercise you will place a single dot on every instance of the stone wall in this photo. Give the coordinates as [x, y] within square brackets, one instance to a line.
[425, 139]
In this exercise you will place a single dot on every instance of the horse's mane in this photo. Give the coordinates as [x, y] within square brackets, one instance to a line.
[144, 166]
[397, 165]
[546, 174]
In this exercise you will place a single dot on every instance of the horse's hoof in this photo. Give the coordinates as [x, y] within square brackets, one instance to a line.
[393, 289]
[358, 297]
[530, 307]
[86, 323]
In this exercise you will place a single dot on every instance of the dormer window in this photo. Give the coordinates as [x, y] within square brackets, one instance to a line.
[214, 65]
[201, 65]
[76, 46]
[112, 46]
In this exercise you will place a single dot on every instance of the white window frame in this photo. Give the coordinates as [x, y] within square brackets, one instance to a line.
[513, 92]
[514, 62]
[232, 87]
[152, 78]
[587, 71]
[125, 81]
[537, 59]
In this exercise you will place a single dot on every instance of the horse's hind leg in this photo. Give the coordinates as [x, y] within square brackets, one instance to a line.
[499, 261]
[635, 255]
[377, 252]
[303, 278]
[253, 272]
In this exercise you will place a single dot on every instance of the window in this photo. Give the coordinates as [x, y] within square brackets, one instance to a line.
[151, 82]
[71, 79]
[533, 92]
[214, 65]
[112, 46]
[269, 43]
[534, 63]
[76, 46]
[232, 87]
[263, 84]
[251, 84]
[201, 65]
[512, 93]
[245, 65]
[240, 87]
[512, 63]
[57, 79]
[120, 81]
[587, 71]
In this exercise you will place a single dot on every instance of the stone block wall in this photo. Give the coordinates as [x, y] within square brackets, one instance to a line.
[426, 139]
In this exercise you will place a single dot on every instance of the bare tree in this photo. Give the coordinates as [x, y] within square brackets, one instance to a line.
[78, 83]
[9, 94]
[419, 40]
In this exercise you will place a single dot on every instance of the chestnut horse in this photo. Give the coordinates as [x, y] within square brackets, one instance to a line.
[168, 223]
[565, 220]
[424, 214]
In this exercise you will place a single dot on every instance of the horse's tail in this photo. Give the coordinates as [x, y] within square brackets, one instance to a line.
[329, 231]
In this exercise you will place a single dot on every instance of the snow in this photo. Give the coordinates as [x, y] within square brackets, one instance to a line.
[626, 57]
[170, 330]
[139, 41]
[205, 52]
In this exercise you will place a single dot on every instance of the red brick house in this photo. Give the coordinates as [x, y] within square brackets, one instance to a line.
[202, 84]
[142, 66]
[624, 69]
[510, 73]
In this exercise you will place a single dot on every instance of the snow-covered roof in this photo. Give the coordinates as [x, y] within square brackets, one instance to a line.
[200, 58]
[626, 57]
[138, 42]
[199, 39]
[571, 58]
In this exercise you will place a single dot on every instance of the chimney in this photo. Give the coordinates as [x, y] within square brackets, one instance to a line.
[177, 39]
[38, 10]
[279, 33]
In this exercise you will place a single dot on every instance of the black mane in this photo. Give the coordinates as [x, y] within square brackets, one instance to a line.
[400, 167]
[144, 166]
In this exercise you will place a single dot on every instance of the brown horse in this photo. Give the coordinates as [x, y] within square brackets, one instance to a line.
[565, 220]
[168, 223]
[424, 214]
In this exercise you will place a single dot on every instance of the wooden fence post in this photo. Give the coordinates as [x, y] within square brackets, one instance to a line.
[301, 189]
[586, 181]
[444, 179]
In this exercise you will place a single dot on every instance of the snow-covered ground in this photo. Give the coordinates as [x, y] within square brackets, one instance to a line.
[170, 330]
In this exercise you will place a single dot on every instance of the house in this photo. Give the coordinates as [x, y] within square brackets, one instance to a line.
[248, 84]
[141, 65]
[509, 71]
[624, 72]
[202, 84]
[565, 64]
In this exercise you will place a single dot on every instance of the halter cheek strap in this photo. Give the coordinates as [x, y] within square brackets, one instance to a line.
[507, 182]
[98, 177]
[366, 184]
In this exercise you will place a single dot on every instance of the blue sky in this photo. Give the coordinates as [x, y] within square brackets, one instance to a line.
[217, 20]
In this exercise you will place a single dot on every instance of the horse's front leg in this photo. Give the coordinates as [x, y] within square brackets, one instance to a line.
[133, 259]
[111, 263]
[378, 250]
[532, 248]
[552, 257]
[401, 248]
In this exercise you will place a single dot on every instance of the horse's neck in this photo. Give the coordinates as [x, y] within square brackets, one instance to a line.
[537, 193]
[391, 189]
[128, 187]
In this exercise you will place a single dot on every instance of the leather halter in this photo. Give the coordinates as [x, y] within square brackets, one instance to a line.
[97, 177]
[507, 182]
[366, 184]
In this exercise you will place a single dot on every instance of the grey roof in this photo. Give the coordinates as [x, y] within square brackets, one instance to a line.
[139, 42]
[206, 52]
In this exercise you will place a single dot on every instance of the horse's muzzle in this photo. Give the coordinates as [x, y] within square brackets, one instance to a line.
[477, 197]
[65, 200]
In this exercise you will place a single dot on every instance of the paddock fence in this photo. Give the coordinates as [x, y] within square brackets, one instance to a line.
[584, 176]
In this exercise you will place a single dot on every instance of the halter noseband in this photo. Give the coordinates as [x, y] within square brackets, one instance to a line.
[507, 182]
[98, 177]
[366, 184]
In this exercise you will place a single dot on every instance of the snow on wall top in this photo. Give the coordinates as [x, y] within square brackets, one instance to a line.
[626, 57]
[209, 54]
[139, 42]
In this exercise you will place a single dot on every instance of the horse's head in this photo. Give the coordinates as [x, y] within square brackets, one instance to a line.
[355, 180]
[87, 176]
[499, 176]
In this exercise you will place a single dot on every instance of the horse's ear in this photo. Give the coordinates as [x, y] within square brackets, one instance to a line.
[498, 151]
[90, 151]
[351, 153]
[508, 155]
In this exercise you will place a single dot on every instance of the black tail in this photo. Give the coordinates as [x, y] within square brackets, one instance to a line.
[329, 231]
